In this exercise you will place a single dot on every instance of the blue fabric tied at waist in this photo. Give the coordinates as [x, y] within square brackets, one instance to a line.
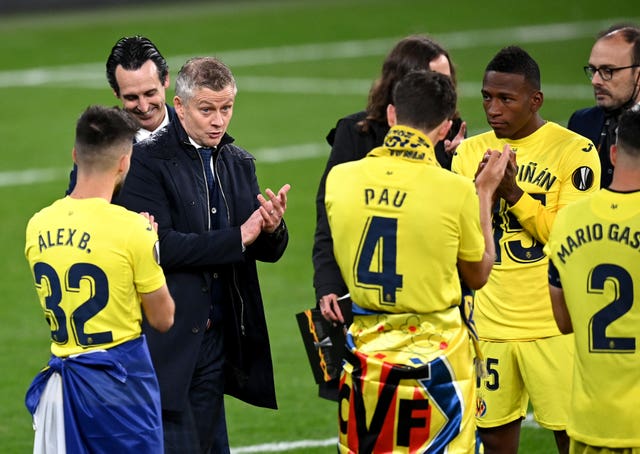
[111, 400]
[101, 360]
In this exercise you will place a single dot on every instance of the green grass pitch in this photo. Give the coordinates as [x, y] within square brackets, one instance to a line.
[300, 65]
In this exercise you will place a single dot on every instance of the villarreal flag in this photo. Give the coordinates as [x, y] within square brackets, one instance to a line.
[407, 385]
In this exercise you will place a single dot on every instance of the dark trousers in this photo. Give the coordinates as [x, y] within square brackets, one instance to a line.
[201, 427]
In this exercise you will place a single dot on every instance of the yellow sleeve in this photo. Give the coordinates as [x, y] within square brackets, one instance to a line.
[471, 239]
[462, 162]
[144, 246]
[580, 168]
[534, 217]
[455, 162]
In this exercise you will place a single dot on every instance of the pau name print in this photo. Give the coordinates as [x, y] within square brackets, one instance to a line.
[385, 196]
[64, 237]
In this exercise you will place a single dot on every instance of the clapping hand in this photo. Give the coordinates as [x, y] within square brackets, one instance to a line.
[273, 209]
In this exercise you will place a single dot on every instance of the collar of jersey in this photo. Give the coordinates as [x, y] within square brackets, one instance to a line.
[404, 142]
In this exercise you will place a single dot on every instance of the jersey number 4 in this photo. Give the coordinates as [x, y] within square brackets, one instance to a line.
[375, 265]
[96, 278]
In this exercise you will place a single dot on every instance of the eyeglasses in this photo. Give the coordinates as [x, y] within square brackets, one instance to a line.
[606, 74]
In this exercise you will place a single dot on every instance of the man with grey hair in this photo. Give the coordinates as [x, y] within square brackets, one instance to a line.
[213, 224]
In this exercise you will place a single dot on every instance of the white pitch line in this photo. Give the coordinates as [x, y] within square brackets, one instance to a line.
[283, 446]
[360, 87]
[32, 176]
[291, 152]
[263, 155]
[93, 73]
[314, 86]
[530, 422]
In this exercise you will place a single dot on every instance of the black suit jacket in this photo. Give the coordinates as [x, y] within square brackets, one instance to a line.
[167, 180]
[590, 123]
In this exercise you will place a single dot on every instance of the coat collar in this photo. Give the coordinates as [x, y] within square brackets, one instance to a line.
[185, 143]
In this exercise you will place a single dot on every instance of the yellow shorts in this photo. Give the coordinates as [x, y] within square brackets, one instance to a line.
[540, 370]
[577, 447]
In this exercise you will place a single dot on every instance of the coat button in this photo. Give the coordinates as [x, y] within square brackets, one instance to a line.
[195, 330]
[215, 275]
[204, 289]
[214, 210]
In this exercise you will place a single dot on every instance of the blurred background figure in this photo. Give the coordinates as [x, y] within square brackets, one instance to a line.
[614, 72]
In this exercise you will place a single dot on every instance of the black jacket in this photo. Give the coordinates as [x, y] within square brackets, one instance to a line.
[599, 127]
[349, 143]
[167, 180]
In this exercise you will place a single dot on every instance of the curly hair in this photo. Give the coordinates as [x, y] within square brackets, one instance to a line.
[515, 60]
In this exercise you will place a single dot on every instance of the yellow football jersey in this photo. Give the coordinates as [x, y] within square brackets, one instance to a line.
[90, 259]
[555, 168]
[595, 246]
[399, 223]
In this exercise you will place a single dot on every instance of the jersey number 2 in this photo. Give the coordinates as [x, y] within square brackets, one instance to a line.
[376, 261]
[622, 282]
[56, 316]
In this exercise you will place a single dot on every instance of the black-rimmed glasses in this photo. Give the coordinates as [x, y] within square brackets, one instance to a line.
[606, 73]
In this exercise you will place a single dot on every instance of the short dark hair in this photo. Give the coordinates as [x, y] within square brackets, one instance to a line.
[424, 99]
[99, 128]
[412, 53]
[515, 60]
[629, 131]
[131, 53]
[202, 72]
[630, 32]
